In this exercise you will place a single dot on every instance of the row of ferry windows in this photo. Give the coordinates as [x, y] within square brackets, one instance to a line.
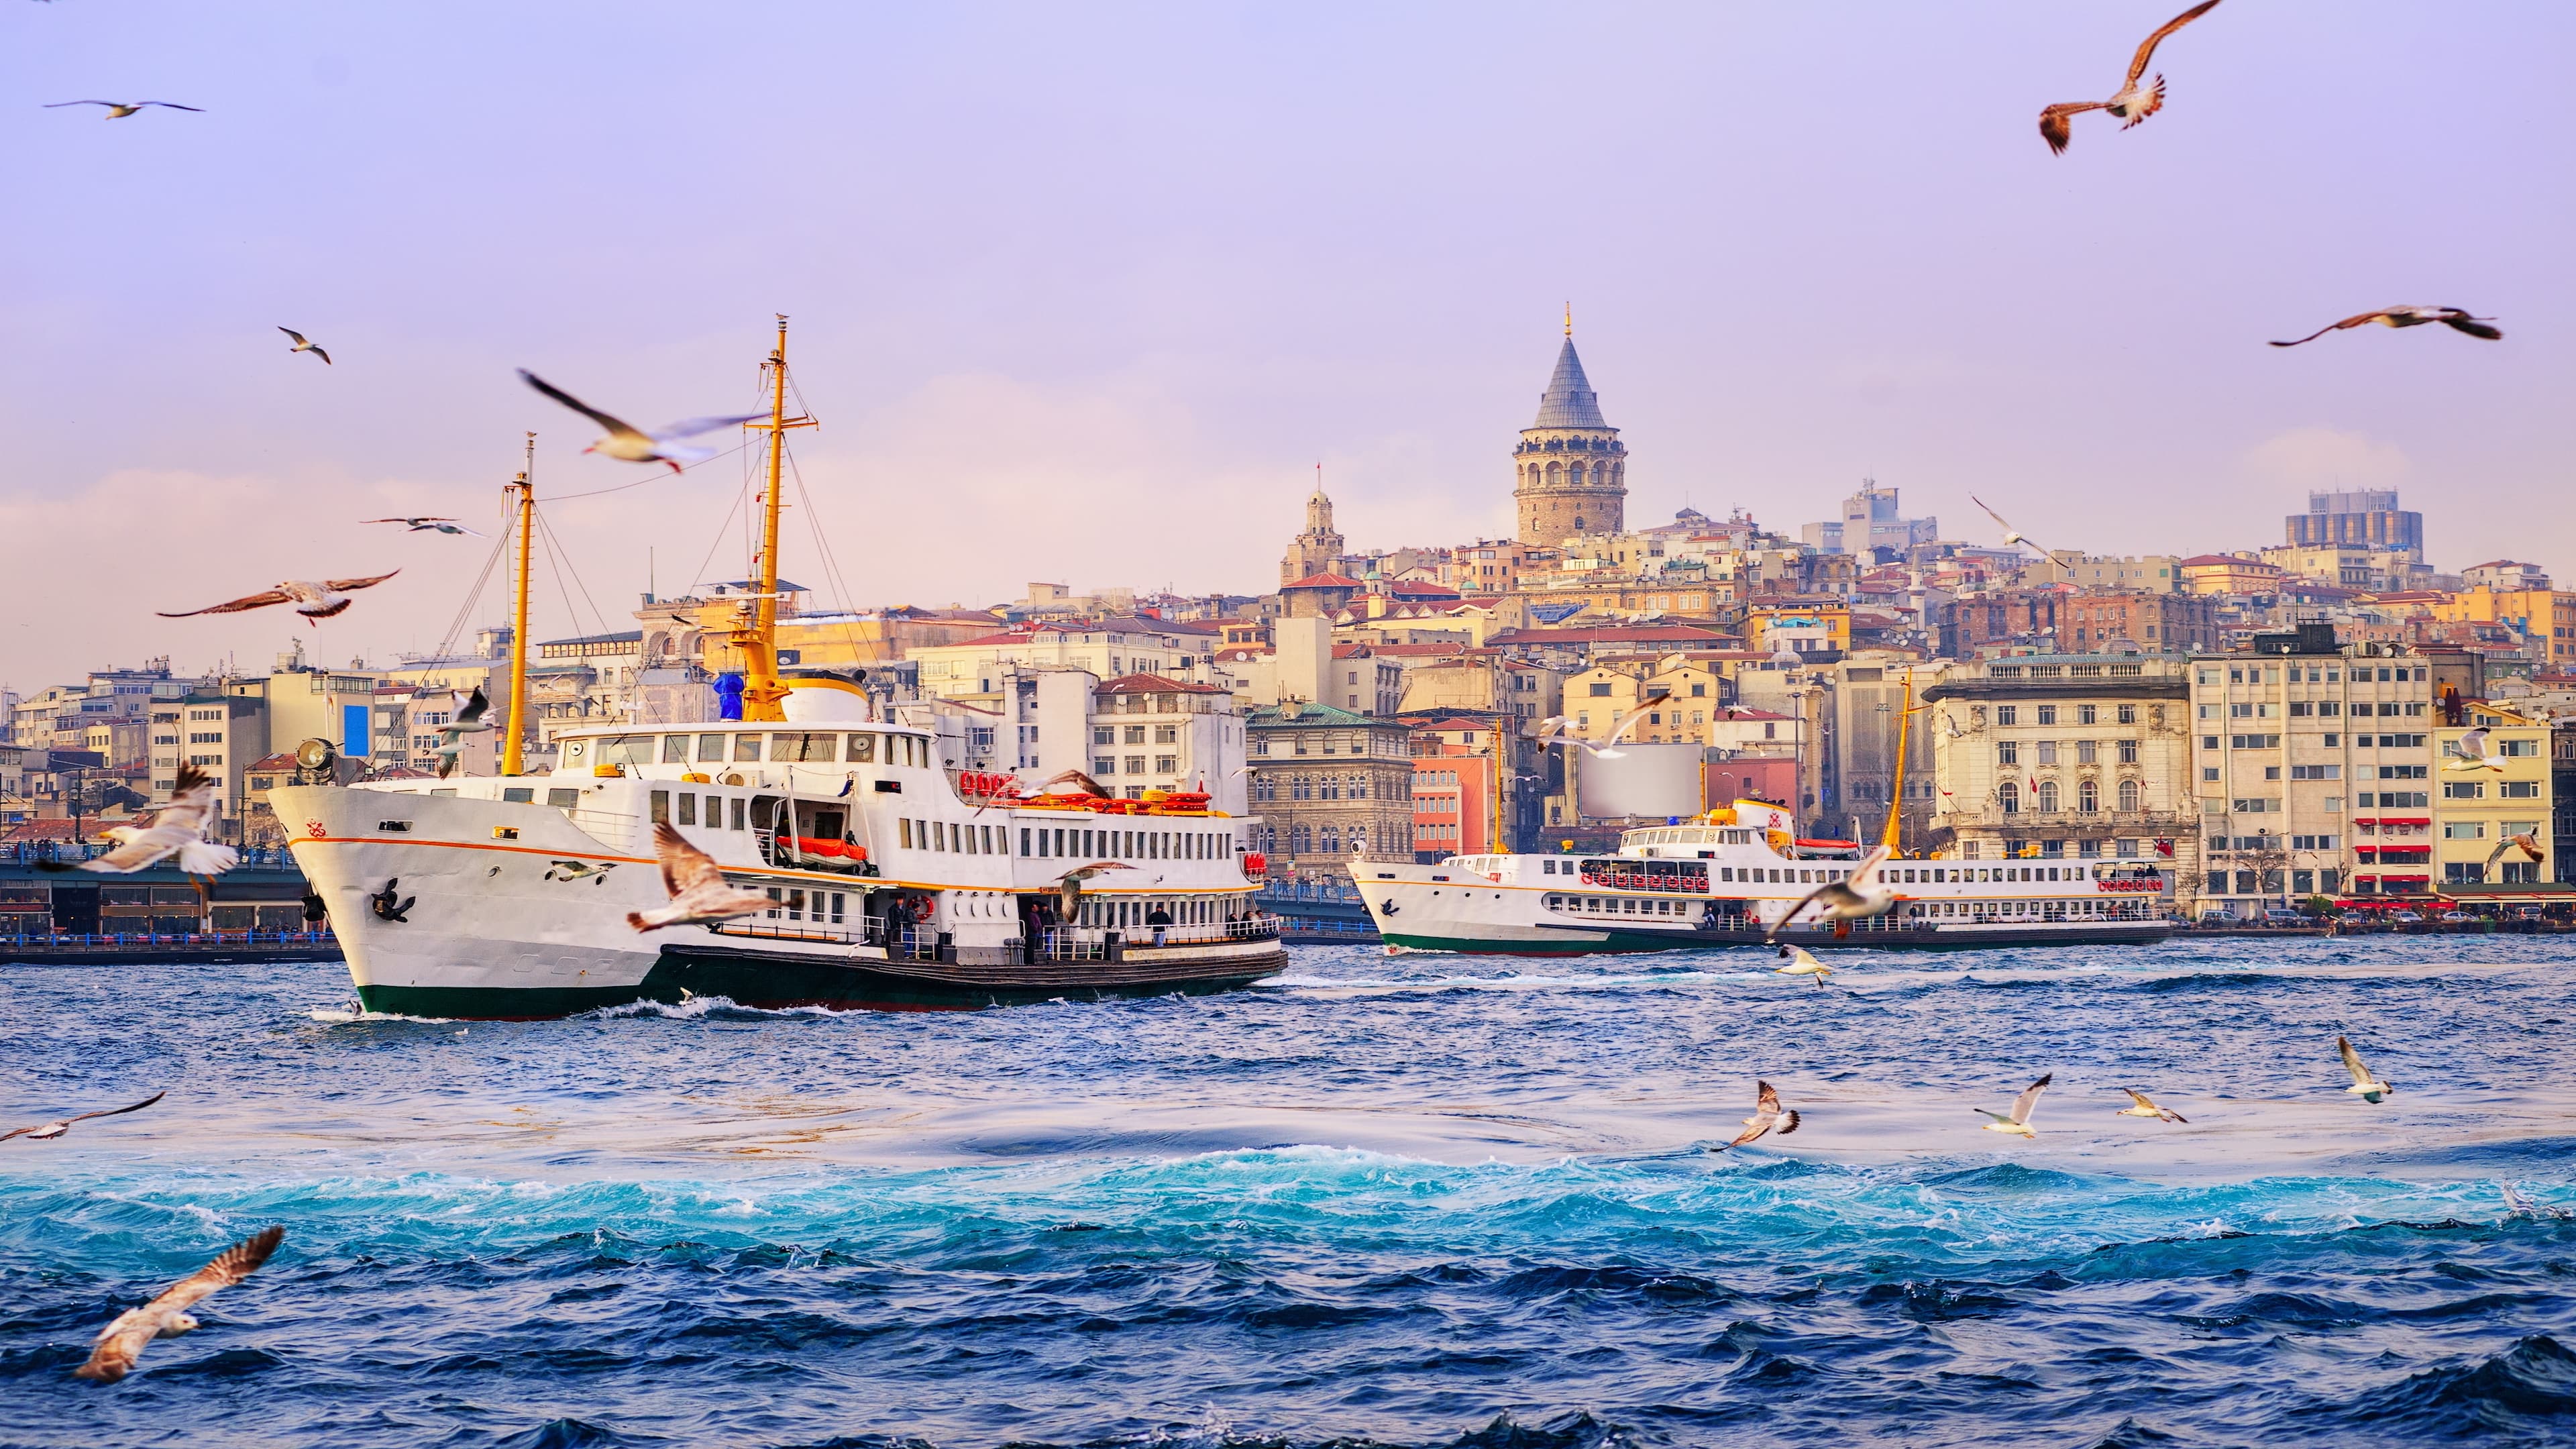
[1978, 910]
[804, 748]
[1892, 875]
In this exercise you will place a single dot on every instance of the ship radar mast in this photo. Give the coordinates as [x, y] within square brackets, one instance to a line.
[757, 641]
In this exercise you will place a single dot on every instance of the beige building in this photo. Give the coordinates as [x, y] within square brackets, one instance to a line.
[220, 731]
[1110, 649]
[1331, 787]
[2065, 756]
[1868, 701]
[2476, 810]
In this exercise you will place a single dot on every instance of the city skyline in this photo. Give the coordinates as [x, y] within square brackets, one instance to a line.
[1062, 340]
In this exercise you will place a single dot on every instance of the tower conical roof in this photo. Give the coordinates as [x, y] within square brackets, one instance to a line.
[1569, 401]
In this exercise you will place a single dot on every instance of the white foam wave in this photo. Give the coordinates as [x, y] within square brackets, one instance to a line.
[693, 1007]
[342, 1016]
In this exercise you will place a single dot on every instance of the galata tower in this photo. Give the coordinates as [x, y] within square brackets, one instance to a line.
[1570, 472]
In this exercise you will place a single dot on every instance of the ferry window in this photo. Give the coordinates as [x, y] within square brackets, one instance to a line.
[563, 799]
[737, 814]
[804, 749]
[711, 748]
[627, 750]
[1024, 840]
[688, 810]
[903, 832]
[746, 747]
[661, 807]
[517, 794]
[675, 749]
[863, 749]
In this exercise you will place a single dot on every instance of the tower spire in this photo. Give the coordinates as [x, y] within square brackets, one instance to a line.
[1569, 318]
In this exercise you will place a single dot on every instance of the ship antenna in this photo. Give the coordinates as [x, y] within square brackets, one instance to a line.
[762, 692]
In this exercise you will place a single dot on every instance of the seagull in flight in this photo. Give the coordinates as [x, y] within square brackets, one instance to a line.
[2135, 102]
[1855, 897]
[426, 525]
[315, 601]
[1767, 1117]
[178, 828]
[125, 1337]
[118, 110]
[2017, 1121]
[1082, 783]
[630, 444]
[2526, 842]
[2470, 753]
[2145, 1108]
[51, 1130]
[2455, 318]
[699, 892]
[303, 346]
[1068, 886]
[2365, 1086]
[467, 718]
[1803, 962]
[2013, 537]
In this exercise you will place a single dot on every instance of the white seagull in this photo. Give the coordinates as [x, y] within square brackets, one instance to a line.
[118, 110]
[178, 828]
[124, 1338]
[2527, 843]
[1068, 886]
[2455, 318]
[2017, 1122]
[426, 525]
[1767, 1116]
[1855, 897]
[303, 346]
[2135, 102]
[51, 1130]
[2470, 753]
[316, 601]
[697, 886]
[1803, 962]
[2012, 536]
[467, 719]
[2364, 1085]
[630, 444]
[2145, 1108]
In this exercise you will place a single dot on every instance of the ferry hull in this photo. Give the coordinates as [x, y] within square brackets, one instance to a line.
[1612, 942]
[535, 927]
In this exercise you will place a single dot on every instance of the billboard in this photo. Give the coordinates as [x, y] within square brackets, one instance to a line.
[1640, 780]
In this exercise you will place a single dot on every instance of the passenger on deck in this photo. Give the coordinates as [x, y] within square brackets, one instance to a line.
[1158, 918]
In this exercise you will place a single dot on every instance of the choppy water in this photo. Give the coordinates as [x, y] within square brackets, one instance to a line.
[1409, 1200]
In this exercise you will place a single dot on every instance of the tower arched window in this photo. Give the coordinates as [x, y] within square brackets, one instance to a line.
[2128, 797]
[2088, 798]
[1555, 473]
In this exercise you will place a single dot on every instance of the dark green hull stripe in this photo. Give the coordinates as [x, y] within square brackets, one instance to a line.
[769, 984]
[1633, 941]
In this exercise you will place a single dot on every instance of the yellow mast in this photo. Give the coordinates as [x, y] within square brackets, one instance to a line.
[1896, 804]
[758, 643]
[512, 745]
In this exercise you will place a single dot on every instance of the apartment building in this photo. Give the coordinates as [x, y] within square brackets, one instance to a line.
[217, 730]
[2065, 756]
[1151, 733]
[1331, 786]
[2474, 811]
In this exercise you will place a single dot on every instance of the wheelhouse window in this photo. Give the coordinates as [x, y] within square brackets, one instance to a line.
[675, 749]
[863, 749]
[711, 749]
[746, 747]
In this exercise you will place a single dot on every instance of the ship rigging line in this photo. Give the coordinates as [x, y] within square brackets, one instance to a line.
[823, 545]
[652, 478]
[474, 596]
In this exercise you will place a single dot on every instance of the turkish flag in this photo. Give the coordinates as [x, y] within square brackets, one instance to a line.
[2164, 847]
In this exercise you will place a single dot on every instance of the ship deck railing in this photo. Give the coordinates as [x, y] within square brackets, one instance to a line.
[169, 938]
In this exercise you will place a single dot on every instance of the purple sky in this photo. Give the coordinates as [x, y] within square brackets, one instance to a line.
[1083, 297]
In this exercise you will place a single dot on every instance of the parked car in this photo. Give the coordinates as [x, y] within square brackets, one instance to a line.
[2529, 913]
[2280, 916]
[2407, 918]
[2454, 918]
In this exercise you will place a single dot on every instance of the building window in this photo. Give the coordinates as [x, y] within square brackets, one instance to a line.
[2008, 797]
[2007, 714]
[2128, 752]
[2088, 798]
[2086, 714]
[1166, 764]
[2086, 752]
[2128, 797]
[2048, 714]
[2007, 752]
[2045, 797]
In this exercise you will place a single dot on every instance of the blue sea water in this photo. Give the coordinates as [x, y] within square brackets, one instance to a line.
[1408, 1200]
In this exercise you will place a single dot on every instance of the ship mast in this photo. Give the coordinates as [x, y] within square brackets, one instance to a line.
[1896, 800]
[757, 642]
[513, 745]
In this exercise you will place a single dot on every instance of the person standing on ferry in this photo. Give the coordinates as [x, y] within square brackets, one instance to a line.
[1159, 919]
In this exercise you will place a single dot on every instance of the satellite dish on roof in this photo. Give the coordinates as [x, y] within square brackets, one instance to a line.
[1786, 659]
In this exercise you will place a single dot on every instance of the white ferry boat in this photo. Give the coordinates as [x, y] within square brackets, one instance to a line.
[901, 882]
[1728, 877]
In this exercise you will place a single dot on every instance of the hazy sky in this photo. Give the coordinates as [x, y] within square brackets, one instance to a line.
[1083, 293]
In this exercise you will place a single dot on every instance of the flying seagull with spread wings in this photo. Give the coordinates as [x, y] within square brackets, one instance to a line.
[468, 717]
[1856, 897]
[1803, 962]
[316, 601]
[118, 110]
[1081, 782]
[630, 444]
[697, 886]
[1068, 886]
[123, 1340]
[2455, 318]
[2013, 537]
[1767, 1117]
[2527, 842]
[178, 828]
[2017, 1121]
[2135, 102]
[426, 525]
[2145, 1108]
[2364, 1085]
[2470, 753]
[51, 1130]
[303, 346]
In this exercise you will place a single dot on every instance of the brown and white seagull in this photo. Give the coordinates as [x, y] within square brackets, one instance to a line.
[51, 1130]
[1856, 897]
[2135, 102]
[123, 1340]
[118, 110]
[2146, 1108]
[1068, 886]
[1767, 1116]
[303, 346]
[630, 444]
[2527, 842]
[178, 828]
[2455, 318]
[426, 525]
[316, 601]
[697, 886]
